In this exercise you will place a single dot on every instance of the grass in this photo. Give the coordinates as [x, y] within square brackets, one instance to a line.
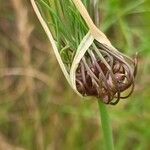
[66, 121]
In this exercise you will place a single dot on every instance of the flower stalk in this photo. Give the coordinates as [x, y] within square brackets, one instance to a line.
[106, 126]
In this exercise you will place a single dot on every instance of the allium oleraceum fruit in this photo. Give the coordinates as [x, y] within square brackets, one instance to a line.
[91, 65]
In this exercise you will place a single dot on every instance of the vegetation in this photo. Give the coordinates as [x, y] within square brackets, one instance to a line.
[38, 110]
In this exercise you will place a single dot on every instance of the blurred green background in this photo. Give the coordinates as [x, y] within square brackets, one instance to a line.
[39, 111]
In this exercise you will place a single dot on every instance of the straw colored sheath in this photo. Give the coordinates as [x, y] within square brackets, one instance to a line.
[51, 39]
[96, 33]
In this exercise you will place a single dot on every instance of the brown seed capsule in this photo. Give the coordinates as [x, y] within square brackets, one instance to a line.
[105, 74]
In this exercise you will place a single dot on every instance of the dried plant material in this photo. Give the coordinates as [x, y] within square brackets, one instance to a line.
[92, 66]
[5, 145]
[105, 74]
[24, 31]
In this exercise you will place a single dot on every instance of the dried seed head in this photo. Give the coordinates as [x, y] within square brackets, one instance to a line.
[105, 73]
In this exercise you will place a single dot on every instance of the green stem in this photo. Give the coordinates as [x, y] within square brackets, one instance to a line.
[106, 127]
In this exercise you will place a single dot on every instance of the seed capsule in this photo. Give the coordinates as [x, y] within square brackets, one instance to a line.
[106, 77]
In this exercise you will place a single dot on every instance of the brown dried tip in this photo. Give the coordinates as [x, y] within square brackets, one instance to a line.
[105, 74]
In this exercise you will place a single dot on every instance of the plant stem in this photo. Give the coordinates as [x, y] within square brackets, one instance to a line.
[106, 127]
